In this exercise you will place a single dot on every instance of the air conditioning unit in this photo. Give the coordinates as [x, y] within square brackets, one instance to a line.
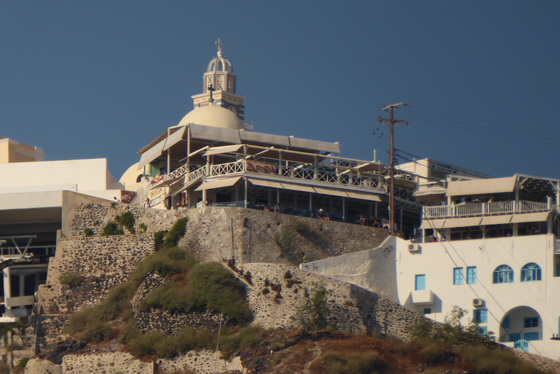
[414, 247]
[477, 302]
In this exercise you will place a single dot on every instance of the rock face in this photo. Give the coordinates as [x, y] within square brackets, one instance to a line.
[264, 246]
[351, 308]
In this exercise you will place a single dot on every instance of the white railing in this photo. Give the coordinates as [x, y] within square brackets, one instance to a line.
[307, 173]
[484, 209]
[229, 168]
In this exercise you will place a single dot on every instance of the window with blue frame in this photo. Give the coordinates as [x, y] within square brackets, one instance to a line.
[471, 275]
[427, 311]
[530, 322]
[531, 272]
[503, 274]
[531, 336]
[420, 282]
[458, 276]
[480, 316]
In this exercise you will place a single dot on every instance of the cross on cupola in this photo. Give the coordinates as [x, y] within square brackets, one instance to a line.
[219, 44]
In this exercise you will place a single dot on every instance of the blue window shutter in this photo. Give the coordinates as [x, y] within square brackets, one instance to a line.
[471, 275]
[458, 276]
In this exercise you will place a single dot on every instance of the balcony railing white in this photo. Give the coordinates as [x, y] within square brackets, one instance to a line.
[320, 174]
[485, 209]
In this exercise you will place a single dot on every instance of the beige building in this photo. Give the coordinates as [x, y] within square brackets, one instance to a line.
[212, 156]
[13, 151]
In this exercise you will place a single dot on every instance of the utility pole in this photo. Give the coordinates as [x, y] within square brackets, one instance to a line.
[391, 121]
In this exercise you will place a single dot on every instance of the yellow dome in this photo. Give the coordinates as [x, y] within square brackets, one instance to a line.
[212, 115]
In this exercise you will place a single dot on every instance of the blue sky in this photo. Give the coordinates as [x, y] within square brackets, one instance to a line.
[86, 79]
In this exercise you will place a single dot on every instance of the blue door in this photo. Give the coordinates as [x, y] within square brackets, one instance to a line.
[522, 344]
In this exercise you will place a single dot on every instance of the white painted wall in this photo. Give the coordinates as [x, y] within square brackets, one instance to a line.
[438, 259]
[77, 175]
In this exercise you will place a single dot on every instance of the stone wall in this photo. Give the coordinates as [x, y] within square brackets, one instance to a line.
[246, 235]
[103, 261]
[351, 308]
[108, 363]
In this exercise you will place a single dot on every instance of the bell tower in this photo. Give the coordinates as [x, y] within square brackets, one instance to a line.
[219, 86]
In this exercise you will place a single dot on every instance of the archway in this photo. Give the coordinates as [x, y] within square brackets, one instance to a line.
[521, 323]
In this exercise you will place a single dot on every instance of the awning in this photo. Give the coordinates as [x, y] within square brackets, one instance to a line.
[370, 166]
[462, 222]
[218, 183]
[481, 186]
[151, 154]
[224, 149]
[450, 223]
[263, 183]
[430, 191]
[314, 145]
[214, 133]
[496, 220]
[262, 138]
[432, 224]
[174, 138]
[363, 196]
[298, 187]
[329, 191]
[530, 217]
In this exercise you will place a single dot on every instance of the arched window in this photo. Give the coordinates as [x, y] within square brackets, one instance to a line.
[531, 272]
[503, 274]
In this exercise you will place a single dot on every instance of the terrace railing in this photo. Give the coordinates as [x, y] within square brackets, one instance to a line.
[485, 209]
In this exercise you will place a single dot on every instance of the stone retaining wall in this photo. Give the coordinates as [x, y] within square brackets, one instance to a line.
[351, 308]
[246, 235]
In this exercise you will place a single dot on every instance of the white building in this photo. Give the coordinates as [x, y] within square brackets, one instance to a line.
[489, 246]
[31, 214]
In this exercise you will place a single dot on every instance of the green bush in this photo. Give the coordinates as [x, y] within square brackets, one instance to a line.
[112, 228]
[176, 233]
[496, 361]
[314, 312]
[169, 297]
[72, 279]
[215, 288]
[23, 362]
[88, 232]
[128, 221]
[117, 301]
[88, 325]
[355, 363]
[246, 337]
[156, 343]
[159, 238]
[145, 344]
[143, 227]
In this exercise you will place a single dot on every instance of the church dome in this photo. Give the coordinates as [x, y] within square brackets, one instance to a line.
[214, 116]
